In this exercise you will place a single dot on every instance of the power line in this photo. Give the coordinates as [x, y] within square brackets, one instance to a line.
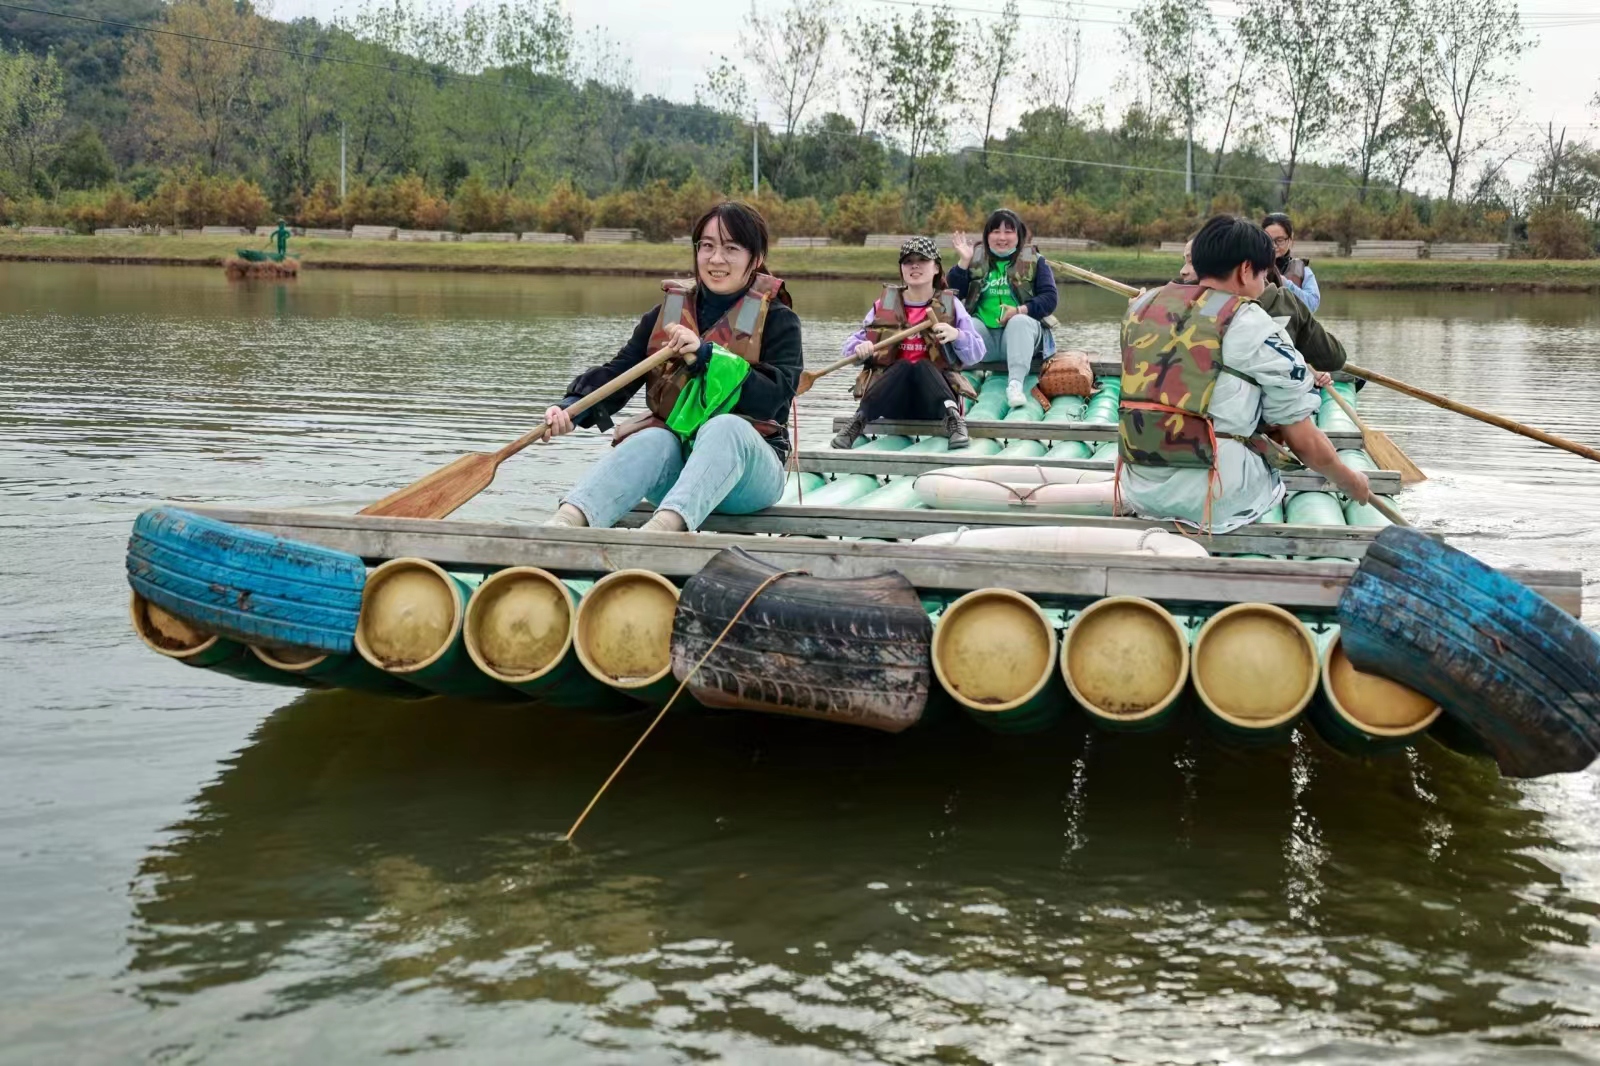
[1163, 170]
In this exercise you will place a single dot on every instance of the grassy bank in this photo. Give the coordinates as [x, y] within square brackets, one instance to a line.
[845, 263]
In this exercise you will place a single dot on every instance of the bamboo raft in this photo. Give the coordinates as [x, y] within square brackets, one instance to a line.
[880, 629]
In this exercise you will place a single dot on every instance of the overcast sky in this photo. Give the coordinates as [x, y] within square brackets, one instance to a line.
[673, 43]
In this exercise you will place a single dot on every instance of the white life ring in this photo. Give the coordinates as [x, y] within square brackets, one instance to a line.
[1046, 490]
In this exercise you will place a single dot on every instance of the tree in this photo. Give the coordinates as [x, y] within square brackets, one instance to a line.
[993, 67]
[1383, 57]
[83, 162]
[197, 88]
[868, 49]
[791, 53]
[301, 107]
[1297, 44]
[1172, 38]
[519, 53]
[921, 85]
[32, 108]
[1467, 70]
[1238, 60]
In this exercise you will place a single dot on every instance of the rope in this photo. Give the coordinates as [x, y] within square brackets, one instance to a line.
[794, 449]
[681, 686]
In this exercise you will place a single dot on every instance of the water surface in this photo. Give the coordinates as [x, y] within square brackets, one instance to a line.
[197, 869]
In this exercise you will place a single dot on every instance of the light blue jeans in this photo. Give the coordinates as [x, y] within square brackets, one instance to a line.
[731, 469]
[1013, 344]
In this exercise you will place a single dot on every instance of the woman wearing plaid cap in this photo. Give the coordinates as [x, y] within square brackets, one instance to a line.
[917, 379]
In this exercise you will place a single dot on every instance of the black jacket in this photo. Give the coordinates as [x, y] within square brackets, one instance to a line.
[765, 394]
[1321, 348]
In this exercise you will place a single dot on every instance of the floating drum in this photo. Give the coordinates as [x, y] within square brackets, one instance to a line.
[179, 639]
[994, 651]
[1125, 659]
[1364, 714]
[335, 671]
[623, 634]
[411, 626]
[519, 628]
[1255, 669]
[847, 650]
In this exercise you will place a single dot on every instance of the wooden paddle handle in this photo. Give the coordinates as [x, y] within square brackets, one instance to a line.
[881, 346]
[1473, 412]
[1388, 510]
[1109, 284]
[623, 380]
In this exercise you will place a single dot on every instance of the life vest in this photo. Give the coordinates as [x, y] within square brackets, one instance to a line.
[889, 315]
[739, 331]
[1019, 273]
[1171, 360]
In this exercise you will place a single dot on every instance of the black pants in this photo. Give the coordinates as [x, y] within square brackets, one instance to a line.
[908, 391]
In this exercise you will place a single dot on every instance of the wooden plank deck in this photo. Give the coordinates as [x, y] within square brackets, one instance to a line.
[484, 545]
[892, 464]
[1052, 431]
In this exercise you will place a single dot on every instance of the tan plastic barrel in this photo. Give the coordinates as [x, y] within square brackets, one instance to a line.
[165, 632]
[994, 652]
[293, 660]
[410, 615]
[623, 631]
[519, 624]
[1125, 659]
[1371, 704]
[1255, 666]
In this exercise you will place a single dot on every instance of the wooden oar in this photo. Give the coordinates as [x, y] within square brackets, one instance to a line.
[1109, 284]
[809, 378]
[1385, 452]
[448, 487]
[1473, 412]
[1387, 509]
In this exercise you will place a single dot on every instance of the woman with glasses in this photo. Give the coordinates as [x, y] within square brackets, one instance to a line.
[713, 438]
[1297, 275]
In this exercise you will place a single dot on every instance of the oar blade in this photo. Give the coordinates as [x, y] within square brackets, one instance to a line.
[441, 492]
[1387, 454]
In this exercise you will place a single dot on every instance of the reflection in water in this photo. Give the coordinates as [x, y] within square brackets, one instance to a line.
[756, 881]
[368, 877]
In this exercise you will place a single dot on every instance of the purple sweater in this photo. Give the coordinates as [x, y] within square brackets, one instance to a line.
[968, 348]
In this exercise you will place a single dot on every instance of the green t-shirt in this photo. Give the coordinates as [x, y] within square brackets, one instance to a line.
[996, 295]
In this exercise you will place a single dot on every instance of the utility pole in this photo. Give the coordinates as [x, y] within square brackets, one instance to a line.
[755, 150]
[1188, 152]
[341, 162]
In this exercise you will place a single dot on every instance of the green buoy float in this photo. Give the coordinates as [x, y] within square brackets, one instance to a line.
[412, 614]
[519, 630]
[994, 652]
[1255, 669]
[623, 634]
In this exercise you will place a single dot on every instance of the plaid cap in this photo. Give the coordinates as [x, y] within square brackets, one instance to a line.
[922, 246]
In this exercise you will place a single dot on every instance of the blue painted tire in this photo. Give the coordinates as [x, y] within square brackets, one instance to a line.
[1507, 665]
[245, 585]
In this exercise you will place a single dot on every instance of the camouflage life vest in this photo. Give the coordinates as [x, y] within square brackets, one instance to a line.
[889, 315]
[1171, 359]
[739, 331]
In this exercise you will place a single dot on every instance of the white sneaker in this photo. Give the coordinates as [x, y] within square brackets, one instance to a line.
[1014, 395]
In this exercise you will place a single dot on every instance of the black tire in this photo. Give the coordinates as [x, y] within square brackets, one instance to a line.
[847, 650]
[1507, 665]
[245, 585]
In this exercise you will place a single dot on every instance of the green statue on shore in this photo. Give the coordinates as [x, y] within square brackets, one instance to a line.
[281, 236]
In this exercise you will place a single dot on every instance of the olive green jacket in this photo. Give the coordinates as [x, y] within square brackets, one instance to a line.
[1321, 348]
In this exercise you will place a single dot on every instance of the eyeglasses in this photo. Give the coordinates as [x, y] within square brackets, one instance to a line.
[1282, 242]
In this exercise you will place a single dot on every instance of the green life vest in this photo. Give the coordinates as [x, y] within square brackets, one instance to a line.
[1171, 359]
[708, 395]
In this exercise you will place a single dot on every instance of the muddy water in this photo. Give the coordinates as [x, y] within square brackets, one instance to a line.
[196, 869]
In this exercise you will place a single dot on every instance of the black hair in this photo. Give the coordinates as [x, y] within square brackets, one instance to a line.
[744, 226]
[992, 223]
[1278, 218]
[1226, 241]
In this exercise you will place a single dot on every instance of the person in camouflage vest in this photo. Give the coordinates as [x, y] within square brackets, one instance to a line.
[1206, 373]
